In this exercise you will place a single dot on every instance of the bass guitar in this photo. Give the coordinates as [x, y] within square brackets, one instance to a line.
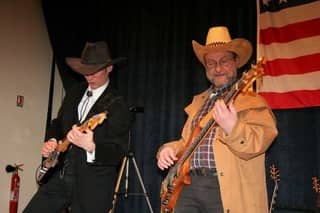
[178, 174]
[52, 159]
[275, 176]
[316, 187]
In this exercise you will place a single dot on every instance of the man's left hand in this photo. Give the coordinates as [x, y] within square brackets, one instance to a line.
[83, 139]
[225, 116]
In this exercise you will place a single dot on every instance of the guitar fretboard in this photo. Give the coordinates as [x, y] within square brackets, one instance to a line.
[210, 124]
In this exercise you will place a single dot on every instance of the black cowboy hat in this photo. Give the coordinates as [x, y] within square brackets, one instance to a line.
[94, 57]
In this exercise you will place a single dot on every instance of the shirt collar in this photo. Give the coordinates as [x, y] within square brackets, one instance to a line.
[98, 91]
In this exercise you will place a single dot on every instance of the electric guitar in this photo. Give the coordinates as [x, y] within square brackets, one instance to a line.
[316, 187]
[275, 175]
[178, 174]
[52, 159]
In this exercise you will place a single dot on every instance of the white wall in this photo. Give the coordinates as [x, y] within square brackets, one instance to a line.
[25, 65]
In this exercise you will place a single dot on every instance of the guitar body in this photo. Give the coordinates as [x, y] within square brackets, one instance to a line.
[48, 167]
[49, 164]
[177, 177]
[172, 187]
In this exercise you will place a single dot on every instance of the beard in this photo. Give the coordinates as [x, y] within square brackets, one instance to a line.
[220, 83]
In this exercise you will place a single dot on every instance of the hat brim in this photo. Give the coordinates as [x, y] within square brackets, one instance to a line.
[88, 69]
[241, 47]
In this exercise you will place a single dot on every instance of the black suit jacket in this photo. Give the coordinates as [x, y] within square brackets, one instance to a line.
[94, 182]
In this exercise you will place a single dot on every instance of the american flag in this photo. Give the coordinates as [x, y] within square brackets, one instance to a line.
[288, 35]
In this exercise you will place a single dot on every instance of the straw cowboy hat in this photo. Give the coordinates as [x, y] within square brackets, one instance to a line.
[218, 39]
[94, 57]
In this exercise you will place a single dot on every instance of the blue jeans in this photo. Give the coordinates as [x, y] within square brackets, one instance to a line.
[201, 196]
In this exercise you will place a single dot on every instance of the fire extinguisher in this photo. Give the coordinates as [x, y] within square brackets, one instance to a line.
[15, 187]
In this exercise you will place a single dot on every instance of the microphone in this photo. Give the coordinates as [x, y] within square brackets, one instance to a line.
[136, 109]
[10, 168]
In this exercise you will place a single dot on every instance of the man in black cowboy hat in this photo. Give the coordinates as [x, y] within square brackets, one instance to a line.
[226, 171]
[85, 179]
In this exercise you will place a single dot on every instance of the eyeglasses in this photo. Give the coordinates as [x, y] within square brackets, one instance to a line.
[225, 62]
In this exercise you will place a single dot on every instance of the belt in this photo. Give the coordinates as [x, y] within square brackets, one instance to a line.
[203, 172]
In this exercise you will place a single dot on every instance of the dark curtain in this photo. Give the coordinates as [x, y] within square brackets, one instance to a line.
[161, 76]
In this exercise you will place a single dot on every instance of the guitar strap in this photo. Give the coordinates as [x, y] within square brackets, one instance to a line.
[205, 109]
[214, 95]
[103, 103]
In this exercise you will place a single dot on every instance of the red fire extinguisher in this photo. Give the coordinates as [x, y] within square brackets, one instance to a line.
[15, 187]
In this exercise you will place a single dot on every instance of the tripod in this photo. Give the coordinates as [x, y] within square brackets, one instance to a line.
[125, 166]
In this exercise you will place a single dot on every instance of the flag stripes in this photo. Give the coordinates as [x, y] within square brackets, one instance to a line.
[288, 35]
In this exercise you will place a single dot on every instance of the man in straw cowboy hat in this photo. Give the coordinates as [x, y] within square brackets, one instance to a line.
[85, 178]
[227, 169]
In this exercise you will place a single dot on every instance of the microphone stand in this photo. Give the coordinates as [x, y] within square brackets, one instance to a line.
[125, 165]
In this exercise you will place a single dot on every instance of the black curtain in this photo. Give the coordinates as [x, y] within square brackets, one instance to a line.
[161, 76]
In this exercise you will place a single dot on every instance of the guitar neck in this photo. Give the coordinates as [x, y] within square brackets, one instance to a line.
[318, 200]
[274, 196]
[63, 146]
[200, 134]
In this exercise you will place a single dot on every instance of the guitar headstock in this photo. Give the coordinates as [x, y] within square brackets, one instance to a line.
[255, 72]
[96, 120]
[315, 184]
[274, 173]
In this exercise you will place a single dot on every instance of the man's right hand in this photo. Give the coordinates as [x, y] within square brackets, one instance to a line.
[166, 157]
[48, 147]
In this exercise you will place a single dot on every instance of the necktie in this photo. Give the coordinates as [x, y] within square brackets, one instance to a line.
[84, 107]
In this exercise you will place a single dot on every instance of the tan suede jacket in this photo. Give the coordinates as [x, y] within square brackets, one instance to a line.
[240, 156]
